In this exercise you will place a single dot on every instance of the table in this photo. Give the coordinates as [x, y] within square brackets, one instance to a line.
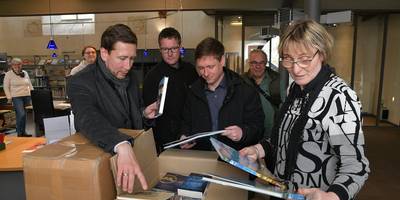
[11, 168]
[58, 105]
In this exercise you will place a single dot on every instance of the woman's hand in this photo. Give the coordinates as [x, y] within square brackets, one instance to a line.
[253, 152]
[317, 194]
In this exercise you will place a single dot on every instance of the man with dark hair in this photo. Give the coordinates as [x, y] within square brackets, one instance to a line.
[220, 100]
[105, 97]
[267, 83]
[181, 74]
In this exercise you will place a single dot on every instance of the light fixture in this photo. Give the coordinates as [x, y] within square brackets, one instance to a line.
[51, 44]
[237, 21]
[54, 55]
[145, 52]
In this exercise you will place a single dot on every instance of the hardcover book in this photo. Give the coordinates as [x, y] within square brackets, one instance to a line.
[193, 187]
[233, 157]
[254, 186]
[170, 182]
[191, 138]
[162, 93]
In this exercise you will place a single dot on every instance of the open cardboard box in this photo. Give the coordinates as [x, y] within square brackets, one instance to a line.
[73, 168]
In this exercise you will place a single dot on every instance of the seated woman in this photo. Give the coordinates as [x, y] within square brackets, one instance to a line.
[317, 143]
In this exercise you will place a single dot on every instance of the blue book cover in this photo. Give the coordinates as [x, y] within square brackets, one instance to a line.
[194, 186]
[233, 157]
[170, 182]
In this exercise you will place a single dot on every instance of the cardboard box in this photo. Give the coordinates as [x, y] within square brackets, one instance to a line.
[75, 169]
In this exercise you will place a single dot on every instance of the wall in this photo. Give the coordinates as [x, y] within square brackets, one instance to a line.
[342, 50]
[368, 59]
[391, 82]
[19, 37]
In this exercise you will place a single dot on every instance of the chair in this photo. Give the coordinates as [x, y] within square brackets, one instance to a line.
[42, 103]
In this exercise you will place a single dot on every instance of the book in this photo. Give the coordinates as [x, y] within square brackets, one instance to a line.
[191, 138]
[162, 93]
[231, 156]
[193, 187]
[254, 186]
[170, 182]
[146, 195]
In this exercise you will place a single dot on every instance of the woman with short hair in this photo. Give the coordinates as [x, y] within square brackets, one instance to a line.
[17, 87]
[317, 143]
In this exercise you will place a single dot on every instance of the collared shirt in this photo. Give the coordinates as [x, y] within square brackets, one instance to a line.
[215, 100]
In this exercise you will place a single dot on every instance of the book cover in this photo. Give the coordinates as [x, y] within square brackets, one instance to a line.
[170, 182]
[191, 138]
[153, 195]
[194, 186]
[233, 157]
[162, 93]
[254, 186]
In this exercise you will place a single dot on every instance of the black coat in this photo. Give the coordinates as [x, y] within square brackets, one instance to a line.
[99, 111]
[241, 107]
[167, 126]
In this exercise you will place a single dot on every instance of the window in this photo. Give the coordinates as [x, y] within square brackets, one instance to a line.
[78, 24]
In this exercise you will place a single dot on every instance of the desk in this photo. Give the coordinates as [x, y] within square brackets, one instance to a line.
[58, 105]
[11, 169]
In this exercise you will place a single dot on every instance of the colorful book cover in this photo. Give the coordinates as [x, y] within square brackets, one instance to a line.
[233, 157]
[194, 186]
[170, 182]
[253, 186]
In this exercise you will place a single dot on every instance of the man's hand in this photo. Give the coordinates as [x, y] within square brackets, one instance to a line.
[128, 168]
[151, 111]
[234, 133]
[317, 194]
[188, 145]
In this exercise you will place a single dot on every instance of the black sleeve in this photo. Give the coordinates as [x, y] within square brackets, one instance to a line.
[89, 119]
[150, 88]
[253, 122]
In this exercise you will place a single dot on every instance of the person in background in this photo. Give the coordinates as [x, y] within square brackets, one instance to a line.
[105, 97]
[318, 142]
[267, 83]
[17, 87]
[89, 55]
[181, 74]
[220, 100]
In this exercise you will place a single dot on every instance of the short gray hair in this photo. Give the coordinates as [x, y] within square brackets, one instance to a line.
[16, 61]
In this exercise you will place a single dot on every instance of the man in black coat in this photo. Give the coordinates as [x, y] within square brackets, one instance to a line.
[105, 96]
[181, 74]
[220, 100]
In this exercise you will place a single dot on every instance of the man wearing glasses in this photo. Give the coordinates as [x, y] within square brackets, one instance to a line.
[267, 83]
[181, 75]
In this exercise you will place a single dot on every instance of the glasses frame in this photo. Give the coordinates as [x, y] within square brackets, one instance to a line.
[298, 62]
[254, 63]
[168, 50]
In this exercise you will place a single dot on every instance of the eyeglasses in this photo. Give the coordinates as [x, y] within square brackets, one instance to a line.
[254, 63]
[167, 50]
[90, 52]
[289, 63]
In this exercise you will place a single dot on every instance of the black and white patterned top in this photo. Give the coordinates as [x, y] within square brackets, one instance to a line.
[331, 152]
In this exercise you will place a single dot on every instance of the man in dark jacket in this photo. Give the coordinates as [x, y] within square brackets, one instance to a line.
[220, 100]
[181, 74]
[105, 96]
